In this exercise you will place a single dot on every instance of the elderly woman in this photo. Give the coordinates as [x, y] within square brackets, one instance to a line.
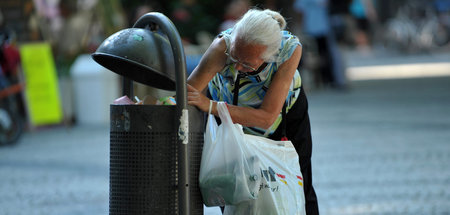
[253, 67]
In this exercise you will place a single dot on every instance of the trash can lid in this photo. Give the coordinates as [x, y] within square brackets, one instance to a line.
[141, 55]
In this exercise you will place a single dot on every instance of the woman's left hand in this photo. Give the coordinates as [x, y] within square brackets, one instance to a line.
[197, 99]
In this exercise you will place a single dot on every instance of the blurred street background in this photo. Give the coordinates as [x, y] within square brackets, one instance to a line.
[376, 72]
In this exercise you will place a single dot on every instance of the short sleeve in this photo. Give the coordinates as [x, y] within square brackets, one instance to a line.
[288, 46]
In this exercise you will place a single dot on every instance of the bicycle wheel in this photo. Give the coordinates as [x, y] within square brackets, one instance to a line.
[10, 127]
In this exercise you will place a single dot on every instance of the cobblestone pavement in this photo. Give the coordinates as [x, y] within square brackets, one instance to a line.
[383, 147]
[56, 171]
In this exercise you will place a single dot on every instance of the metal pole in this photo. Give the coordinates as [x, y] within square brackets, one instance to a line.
[181, 97]
[127, 85]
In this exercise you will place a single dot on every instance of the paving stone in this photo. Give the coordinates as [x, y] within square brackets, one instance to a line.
[374, 154]
[381, 148]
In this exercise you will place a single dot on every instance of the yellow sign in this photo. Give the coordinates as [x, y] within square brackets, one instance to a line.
[41, 84]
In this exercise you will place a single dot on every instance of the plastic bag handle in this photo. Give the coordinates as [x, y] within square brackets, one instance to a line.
[210, 107]
[224, 114]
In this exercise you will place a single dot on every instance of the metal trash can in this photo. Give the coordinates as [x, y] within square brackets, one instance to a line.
[143, 160]
[155, 150]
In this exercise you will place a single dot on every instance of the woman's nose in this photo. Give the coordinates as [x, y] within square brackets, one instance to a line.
[239, 67]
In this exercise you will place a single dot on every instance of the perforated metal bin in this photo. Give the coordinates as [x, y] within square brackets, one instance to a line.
[155, 150]
[144, 161]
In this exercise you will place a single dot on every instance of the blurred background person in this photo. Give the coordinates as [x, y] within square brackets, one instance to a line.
[339, 15]
[316, 24]
[339, 11]
[364, 13]
[233, 12]
[190, 18]
[196, 26]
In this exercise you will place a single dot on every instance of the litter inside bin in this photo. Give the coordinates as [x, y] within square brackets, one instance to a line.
[169, 100]
[124, 100]
[148, 100]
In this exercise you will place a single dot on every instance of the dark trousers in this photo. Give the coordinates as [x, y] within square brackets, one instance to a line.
[298, 131]
[325, 66]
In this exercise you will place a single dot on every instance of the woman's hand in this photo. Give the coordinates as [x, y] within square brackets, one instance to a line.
[197, 99]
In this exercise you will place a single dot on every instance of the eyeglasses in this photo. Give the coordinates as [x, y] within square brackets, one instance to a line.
[232, 59]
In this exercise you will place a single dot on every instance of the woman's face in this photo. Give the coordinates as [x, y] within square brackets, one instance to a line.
[247, 57]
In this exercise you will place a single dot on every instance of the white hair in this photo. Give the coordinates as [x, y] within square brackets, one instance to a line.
[261, 27]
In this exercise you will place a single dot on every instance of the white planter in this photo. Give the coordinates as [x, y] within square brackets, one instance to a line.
[94, 89]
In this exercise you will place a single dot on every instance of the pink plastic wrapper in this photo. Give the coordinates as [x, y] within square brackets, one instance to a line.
[124, 100]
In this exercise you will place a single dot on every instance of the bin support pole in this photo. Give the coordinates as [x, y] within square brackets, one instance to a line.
[181, 97]
[127, 87]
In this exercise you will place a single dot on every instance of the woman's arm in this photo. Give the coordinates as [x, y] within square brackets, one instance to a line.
[264, 116]
[210, 64]
[273, 102]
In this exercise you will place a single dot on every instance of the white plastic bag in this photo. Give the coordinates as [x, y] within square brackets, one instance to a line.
[230, 171]
[250, 174]
[281, 187]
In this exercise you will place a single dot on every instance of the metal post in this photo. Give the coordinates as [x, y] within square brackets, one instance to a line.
[127, 85]
[181, 97]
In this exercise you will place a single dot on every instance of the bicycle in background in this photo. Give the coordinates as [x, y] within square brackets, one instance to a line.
[11, 120]
[419, 26]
